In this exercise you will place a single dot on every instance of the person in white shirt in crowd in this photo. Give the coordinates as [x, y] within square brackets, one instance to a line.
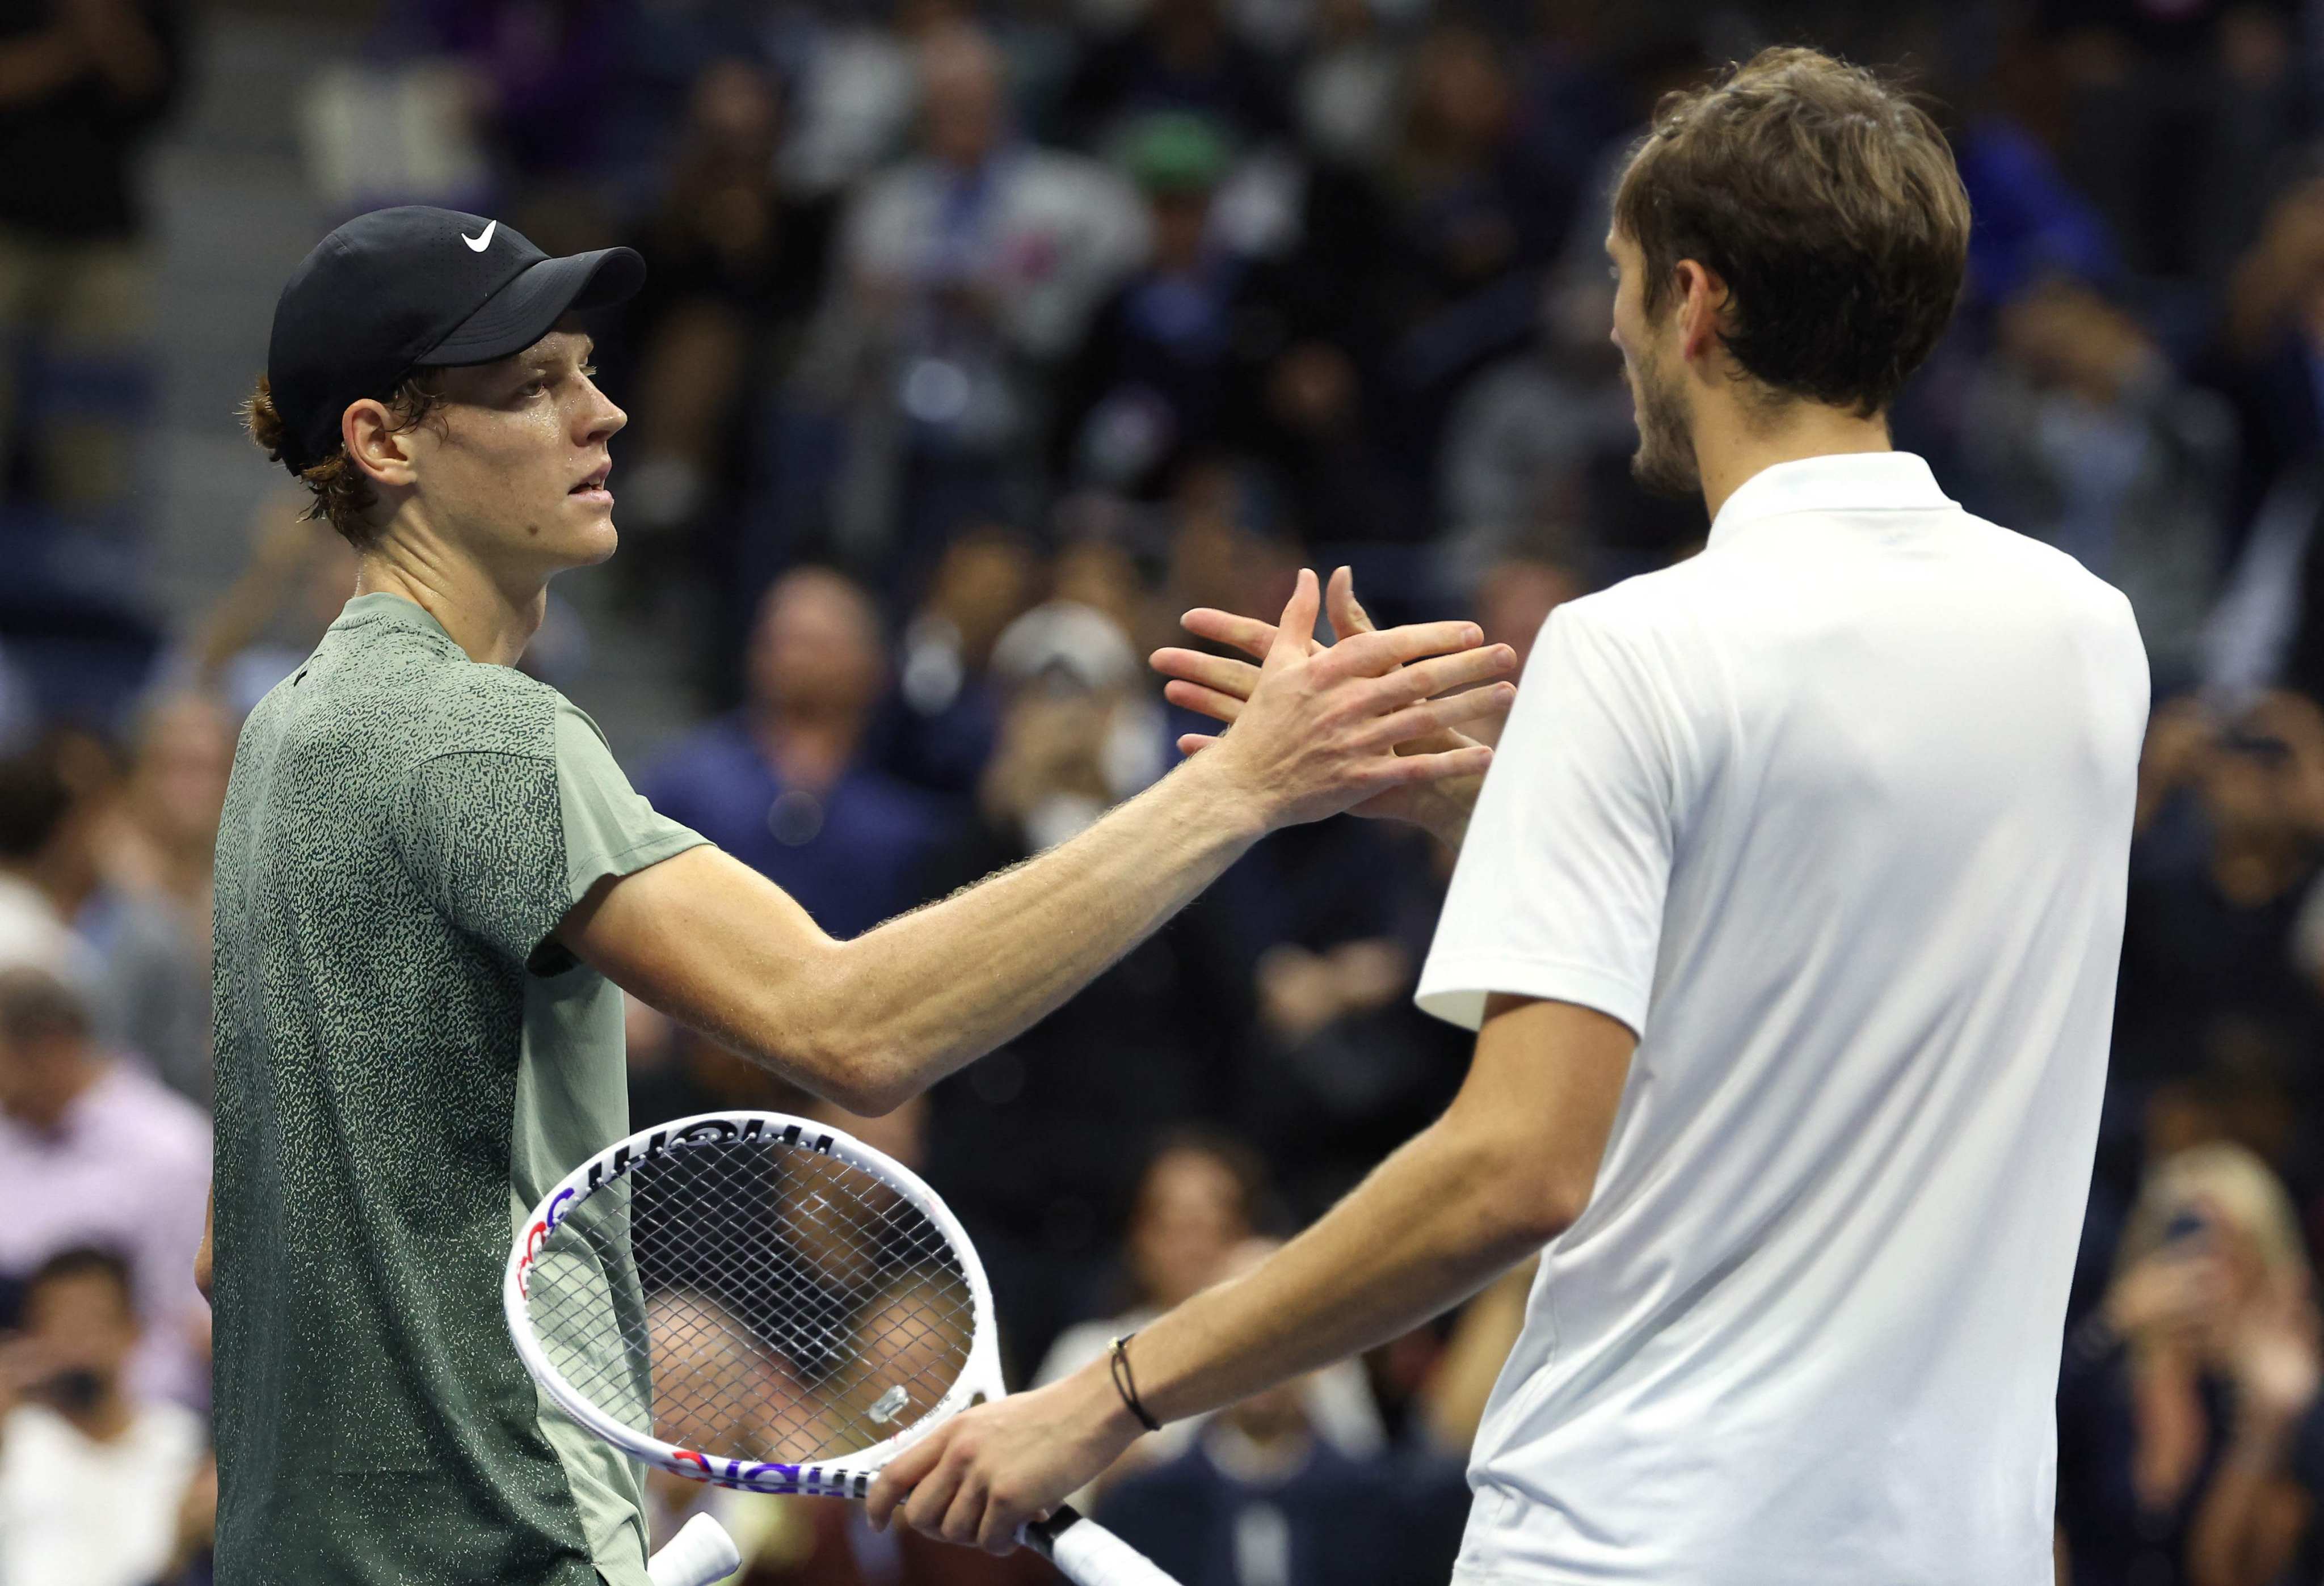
[966, 276]
[1788, 915]
[1193, 1221]
[92, 1473]
[94, 1151]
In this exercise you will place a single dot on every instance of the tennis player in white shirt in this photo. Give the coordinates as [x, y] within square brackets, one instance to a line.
[1788, 915]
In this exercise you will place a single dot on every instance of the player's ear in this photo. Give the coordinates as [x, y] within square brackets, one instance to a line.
[1702, 300]
[375, 443]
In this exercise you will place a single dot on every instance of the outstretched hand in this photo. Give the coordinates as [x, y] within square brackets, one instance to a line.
[1322, 728]
[1220, 687]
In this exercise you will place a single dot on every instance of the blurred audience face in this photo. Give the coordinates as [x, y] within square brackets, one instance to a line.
[2259, 777]
[2213, 1238]
[46, 1056]
[985, 582]
[1664, 462]
[1181, 222]
[1460, 94]
[84, 1323]
[177, 780]
[1191, 1215]
[719, 1391]
[816, 648]
[961, 96]
[734, 118]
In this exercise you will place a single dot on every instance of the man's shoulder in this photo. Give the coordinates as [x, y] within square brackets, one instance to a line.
[2033, 563]
[404, 700]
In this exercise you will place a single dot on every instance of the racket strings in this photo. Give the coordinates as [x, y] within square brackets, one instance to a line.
[754, 1301]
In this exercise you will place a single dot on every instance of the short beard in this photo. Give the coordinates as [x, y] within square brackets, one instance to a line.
[1663, 464]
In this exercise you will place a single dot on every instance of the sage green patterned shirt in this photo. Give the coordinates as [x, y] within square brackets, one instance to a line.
[406, 1061]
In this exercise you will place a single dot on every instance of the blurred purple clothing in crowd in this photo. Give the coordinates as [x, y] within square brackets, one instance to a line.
[128, 1170]
[851, 856]
[550, 67]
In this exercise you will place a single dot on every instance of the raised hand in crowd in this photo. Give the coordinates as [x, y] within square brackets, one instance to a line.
[2251, 1519]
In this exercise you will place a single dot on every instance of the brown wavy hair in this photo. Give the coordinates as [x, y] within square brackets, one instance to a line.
[1828, 201]
[343, 491]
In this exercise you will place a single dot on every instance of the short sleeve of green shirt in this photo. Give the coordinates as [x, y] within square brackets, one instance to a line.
[610, 829]
[506, 842]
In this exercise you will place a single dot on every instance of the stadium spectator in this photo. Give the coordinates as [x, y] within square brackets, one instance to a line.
[94, 1151]
[2234, 822]
[1259, 1492]
[783, 783]
[1258, 1497]
[542, 82]
[47, 871]
[292, 587]
[93, 1473]
[1194, 1224]
[966, 276]
[151, 922]
[2187, 1377]
[2269, 341]
[947, 707]
[738, 270]
[1167, 366]
[1344, 94]
[83, 84]
[1038, 1146]
[1523, 429]
[2080, 434]
[1180, 55]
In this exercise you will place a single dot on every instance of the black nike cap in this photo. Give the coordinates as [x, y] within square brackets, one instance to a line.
[416, 288]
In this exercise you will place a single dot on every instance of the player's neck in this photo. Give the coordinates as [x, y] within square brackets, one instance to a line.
[1733, 442]
[489, 619]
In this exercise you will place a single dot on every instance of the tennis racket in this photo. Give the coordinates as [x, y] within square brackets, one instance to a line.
[762, 1302]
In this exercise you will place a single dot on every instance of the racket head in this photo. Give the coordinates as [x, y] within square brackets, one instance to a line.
[914, 1294]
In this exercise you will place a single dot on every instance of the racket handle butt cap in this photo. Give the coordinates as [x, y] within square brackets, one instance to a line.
[1088, 1554]
[698, 1554]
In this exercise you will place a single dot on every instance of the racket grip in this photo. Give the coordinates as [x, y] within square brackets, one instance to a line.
[698, 1554]
[1088, 1554]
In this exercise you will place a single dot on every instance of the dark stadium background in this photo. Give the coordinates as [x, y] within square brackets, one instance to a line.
[983, 339]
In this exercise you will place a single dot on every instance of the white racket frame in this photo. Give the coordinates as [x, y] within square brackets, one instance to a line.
[849, 1476]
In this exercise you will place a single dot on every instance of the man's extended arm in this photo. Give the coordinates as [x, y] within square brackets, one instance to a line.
[1510, 1166]
[871, 1022]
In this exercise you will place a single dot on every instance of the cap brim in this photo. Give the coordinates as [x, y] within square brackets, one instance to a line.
[528, 308]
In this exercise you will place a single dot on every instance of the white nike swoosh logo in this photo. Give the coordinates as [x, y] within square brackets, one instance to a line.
[482, 241]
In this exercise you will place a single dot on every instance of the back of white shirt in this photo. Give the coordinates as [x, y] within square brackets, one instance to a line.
[1836, 816]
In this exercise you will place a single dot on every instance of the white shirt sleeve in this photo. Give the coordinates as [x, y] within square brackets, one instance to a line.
[1560, 889]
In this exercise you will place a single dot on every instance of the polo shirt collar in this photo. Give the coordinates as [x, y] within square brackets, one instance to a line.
[379, 607]
[1843, 481]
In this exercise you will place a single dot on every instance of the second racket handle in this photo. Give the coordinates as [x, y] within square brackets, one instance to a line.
[1091, 1555]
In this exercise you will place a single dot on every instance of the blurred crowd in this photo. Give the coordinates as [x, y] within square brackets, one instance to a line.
[983, 339]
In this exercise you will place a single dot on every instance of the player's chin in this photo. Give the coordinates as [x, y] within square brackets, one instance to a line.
[589, 534]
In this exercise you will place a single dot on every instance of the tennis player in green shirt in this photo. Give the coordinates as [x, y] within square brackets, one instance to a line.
[433, 883]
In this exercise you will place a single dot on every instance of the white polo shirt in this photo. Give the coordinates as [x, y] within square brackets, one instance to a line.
[1835, 816]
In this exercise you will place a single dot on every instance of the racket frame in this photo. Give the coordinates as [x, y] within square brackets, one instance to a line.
[848, 1476]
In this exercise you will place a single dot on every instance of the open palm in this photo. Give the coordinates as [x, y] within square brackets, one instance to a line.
[1218, 685]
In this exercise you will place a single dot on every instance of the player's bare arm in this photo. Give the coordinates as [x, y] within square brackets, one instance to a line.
[871, 1021]
[1508, 1168]
[1219, 686]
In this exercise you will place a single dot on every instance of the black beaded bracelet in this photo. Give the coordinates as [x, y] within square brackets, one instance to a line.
[1126, 1384]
